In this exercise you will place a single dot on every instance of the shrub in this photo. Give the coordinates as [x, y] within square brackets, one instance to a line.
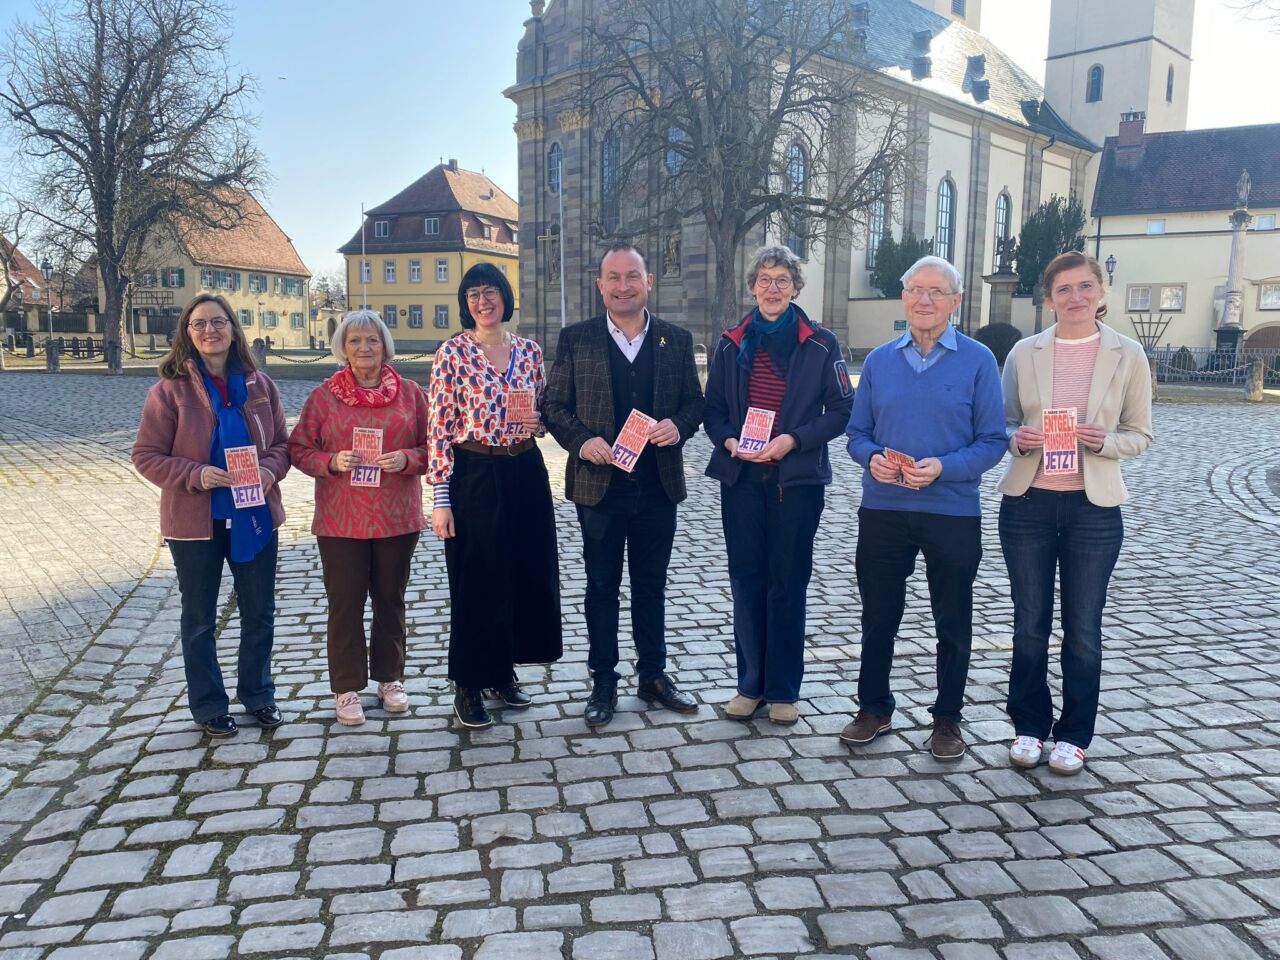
[999, 338]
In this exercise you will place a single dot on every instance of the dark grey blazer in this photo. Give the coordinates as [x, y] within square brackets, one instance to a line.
[578, 404]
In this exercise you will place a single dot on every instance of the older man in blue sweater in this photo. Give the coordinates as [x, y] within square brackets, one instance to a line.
[927, 423]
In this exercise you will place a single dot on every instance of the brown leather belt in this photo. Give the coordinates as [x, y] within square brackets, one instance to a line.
[514, 450]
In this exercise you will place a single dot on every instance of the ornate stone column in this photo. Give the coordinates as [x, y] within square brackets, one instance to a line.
[1231, 330]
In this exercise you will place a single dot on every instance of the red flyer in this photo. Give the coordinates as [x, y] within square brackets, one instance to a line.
[519, 406]
[367, 443]
[246, 481]
[1061, 455]
[900, 460]
[755, 430]
[631, 441]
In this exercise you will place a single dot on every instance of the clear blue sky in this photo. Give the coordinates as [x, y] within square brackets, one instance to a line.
[376, 92]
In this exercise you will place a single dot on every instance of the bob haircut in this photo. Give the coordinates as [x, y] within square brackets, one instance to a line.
[1069, 261]
[361, 320]
[938, 263]
[174, 363]
[776, 256]
[484, 274]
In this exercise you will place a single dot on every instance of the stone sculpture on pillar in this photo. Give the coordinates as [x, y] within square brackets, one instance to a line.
[1231, 330]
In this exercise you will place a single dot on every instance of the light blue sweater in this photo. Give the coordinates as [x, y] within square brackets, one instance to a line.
[953, 411]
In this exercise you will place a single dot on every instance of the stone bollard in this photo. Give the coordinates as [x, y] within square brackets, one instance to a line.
[1255, 379]
[1155, 385]
[89, 347]
[52, 354]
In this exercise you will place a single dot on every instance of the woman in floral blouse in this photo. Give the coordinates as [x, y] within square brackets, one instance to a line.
[492, 501]
[368, 506]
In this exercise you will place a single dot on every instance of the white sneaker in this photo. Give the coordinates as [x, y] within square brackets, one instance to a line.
[1026, 752]
[1066, 758]
[394, 699]
[348, 709]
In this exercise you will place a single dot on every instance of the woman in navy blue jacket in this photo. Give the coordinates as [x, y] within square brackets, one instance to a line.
[776, 360]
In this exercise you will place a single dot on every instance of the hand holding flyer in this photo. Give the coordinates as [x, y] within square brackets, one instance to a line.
[367, 442]
[1060, 451]
[900, 460]
[756, 429]
[246, 481]
[631, 441]
[519, 406]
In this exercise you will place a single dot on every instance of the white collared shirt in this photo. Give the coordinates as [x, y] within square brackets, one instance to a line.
[630, 348]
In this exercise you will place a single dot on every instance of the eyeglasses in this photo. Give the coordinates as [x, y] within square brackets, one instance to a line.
[933, 293]
[218, 323]
[476, 294]
[781, 284]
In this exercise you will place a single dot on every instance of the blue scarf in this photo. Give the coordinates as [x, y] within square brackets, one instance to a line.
[250, 526]
[764, 333]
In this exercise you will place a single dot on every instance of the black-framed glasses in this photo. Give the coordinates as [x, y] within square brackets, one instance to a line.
[476, 294]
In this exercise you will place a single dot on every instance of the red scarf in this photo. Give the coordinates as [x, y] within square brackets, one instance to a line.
[344, 387]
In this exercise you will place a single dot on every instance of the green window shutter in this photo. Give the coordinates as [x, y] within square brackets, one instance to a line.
[182, 276]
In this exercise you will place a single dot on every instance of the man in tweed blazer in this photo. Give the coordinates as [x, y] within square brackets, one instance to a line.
[604, 368]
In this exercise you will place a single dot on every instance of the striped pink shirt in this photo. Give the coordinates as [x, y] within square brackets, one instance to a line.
[1073, 362]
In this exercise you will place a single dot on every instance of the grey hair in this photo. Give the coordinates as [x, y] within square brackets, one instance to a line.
[775, 256]
[953, 275]
[362, 319]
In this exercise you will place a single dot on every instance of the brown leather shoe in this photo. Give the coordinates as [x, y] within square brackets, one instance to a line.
[866, 726]
[945, 743]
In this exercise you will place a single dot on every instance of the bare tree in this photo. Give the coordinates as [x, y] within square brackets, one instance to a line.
[742, 113]
[15, 222]
[329, 288]
[128, 116]
[1265, 10]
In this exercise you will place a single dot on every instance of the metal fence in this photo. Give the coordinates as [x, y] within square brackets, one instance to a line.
[1207, 365]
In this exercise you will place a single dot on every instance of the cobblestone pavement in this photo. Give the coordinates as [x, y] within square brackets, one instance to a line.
[665, 837]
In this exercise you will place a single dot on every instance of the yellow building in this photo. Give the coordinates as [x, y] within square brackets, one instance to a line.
[253, 265]
[418, 245]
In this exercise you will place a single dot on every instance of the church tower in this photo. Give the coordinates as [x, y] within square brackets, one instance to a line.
[1108, 57]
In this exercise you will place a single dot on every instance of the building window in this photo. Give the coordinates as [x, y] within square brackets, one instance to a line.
[415, 271]
[257, 283]
[1269, 296]
[1004, 216]
[1167, 298]
[245, 317]
[957, 7]
[1093, 90]
[677, 138]
[206, 278]
[441, 321]
[442, 271]
[555, 167]
[431, 226]
[270, 319]
[295, 321]
[877, 219]
[366, 271]
[515, 236]
[487, 231]
[1155, 228]
[146, 278]
[945, 232]
[1168, 86]
[388, 271]
[177, 277]
[1266, 221]
[415, 315]
[381, 229]
[1173, 298]
[610, 157]
[1139, 299]
[389, 315]
[796, 182]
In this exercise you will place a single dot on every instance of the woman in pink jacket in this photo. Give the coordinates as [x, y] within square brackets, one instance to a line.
[363, 436]
[211, 398]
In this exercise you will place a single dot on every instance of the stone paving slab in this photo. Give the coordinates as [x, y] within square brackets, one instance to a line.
[665, 836]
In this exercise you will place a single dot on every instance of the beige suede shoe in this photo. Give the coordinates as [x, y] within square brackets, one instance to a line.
[741, 708]
[784, 713]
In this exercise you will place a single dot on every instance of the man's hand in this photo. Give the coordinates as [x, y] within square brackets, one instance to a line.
[731, 444]
[664, 433]
[777, 448]
[923, 473]
[1091, 435]
[596, 450]
[1028, 438]
[882, 470]
[442, 522]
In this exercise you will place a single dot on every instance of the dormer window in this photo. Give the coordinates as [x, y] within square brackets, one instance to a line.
[431, 226]
[382, 229]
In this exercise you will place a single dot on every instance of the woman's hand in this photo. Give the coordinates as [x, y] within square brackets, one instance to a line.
[442, 522]
[882, 471]
[344, 461]
[211, 477]
[731, 444]
[777, 448]
[267, 480]
[1091, 435]
[393, 462]
[532, 422]
[1028, 438]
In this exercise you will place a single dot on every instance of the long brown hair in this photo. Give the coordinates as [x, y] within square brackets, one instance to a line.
[1069, 261]
[174, 364]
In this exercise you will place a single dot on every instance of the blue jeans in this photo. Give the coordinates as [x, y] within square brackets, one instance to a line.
[1040, 532]
[199, 567]
[768, 535]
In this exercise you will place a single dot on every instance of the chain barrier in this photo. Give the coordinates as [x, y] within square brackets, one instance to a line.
[1169, 369]
[281, 356]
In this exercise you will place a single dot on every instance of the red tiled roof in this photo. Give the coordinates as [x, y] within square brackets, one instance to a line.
[444, 189]
[255, 243]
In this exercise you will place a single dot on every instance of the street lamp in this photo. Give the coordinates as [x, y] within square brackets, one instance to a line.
[50, 351]
[1111, 270]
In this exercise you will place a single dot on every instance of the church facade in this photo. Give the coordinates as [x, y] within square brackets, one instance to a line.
[991, 144]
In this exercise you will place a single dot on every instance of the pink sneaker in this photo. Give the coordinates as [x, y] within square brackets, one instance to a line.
[394, 699]
[347, 707]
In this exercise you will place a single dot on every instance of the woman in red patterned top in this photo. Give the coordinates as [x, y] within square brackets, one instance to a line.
[363, 436]
[492, 500]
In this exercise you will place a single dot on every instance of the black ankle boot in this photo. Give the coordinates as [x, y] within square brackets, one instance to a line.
[468, 704]
[604, 700]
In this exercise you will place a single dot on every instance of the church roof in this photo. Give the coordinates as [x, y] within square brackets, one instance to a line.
[1189, 170]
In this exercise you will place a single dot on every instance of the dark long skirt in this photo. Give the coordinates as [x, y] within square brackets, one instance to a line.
[504, 576]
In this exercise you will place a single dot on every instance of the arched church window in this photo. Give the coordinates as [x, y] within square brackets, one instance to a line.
[1168, 86]
[797, 181]
[610, 156]
[1093, 92]
[945, 234]
[555, 167]
[1004, 217]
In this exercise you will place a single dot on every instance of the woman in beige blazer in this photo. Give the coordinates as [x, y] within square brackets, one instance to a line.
[1066, 520]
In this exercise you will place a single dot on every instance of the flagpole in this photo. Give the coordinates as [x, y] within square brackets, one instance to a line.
[364, 266]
